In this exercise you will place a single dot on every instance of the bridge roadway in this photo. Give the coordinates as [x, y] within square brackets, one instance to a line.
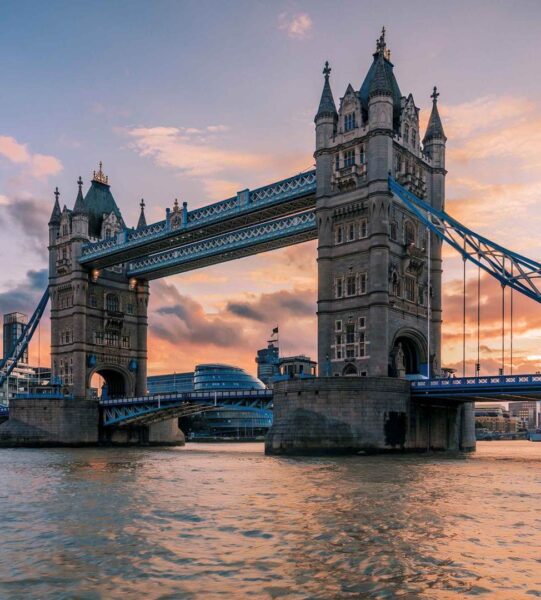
[158, 407]
[490, 388]
[249, 207]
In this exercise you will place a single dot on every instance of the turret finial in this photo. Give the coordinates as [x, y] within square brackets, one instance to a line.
[381, 46]
[56, 193]
[100, 176]
[175, 205]
[435, 95]
[326, 70]
[80, 183]
[142, 204]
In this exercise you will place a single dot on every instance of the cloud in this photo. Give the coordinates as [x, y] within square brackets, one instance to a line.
[297, 25]
[244, 310]
[39, 166]
[273, 306]
[24, 296]
[31, 216]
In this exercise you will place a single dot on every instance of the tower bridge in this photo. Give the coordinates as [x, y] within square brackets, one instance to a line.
[376, 204]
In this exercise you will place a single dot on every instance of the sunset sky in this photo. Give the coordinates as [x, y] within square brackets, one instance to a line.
[197, 100]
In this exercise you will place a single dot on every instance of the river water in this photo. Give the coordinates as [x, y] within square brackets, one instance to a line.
[224, 521]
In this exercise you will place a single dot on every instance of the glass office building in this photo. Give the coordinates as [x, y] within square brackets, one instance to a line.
[227, 422]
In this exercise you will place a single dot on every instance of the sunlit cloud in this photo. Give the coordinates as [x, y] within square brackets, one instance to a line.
[296, 25]
[37, 165]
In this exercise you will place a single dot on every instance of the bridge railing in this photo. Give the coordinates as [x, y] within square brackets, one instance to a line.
[425, 384]
[244, 201]
[190, 396]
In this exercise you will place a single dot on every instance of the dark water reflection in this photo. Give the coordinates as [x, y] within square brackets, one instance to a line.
[222, 521]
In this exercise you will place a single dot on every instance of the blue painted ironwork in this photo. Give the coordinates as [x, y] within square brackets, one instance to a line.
[159, 407]
[479, 389]
[222, 247]
[10, 362]
[509, 268]
[247, 201]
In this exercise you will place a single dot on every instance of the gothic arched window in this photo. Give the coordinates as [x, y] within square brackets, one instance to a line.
[413, 137]
[406, 133]
[409, 233]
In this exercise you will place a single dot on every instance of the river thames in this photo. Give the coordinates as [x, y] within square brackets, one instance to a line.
[224, 521]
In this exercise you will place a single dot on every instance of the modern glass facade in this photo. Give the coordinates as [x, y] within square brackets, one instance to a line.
[227, 422]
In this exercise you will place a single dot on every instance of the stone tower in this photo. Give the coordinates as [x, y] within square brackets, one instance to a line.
[98, 318]
[376, 286]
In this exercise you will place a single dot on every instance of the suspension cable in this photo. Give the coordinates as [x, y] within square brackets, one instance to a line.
[464, 317]
[503, 323]
[511, 322]
[478, 365]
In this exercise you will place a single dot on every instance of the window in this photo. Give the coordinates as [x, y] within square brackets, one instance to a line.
[362, 345]
[398, 164]
[363, 278]
[350, 333]
[337, 162]
[395, 285]
[93, 301]
[339, 339]
[125, 341]
[338, 325]
[409, 233]
[113, 303]
[413, 137]
[409, 289]
[394, 231]
[349, 122]
[129, 308]
[406, 133]
[339, 234]
[98, 337]
[64, 230]
[362, 155]
[338, 352]
[351, 286]
[111, 338]
[351, 231]
[339, 285]
[362, 322]
[363, 229]
[349, 158]
[107, 233]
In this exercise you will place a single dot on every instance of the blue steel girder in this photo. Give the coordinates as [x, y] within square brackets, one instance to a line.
[243, 242]
[10, 362]
[159, 407]
[509, 268]
[479, 389]
[249, 207]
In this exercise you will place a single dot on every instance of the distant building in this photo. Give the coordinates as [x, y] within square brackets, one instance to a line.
[21, 379]
[494, 417]
[297, 366]
[268, 360]
[226, 422]
[14, 324]
[526, 413]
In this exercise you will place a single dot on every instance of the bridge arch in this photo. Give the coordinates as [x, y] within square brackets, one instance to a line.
[117, 381]
[414, 347]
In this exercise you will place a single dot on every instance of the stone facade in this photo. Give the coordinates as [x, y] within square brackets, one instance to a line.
[98, 318]
[375, 283]
[327, 415]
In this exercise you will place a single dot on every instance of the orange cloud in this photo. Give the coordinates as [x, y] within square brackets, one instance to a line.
[38, 165]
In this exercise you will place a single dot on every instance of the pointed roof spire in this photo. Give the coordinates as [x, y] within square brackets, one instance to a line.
[142, 219]
[380, 84]
[327, 107]
[434, 128]
[79, 207]
[55, 215]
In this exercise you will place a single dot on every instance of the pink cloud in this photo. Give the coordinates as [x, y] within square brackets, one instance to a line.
[38, 165]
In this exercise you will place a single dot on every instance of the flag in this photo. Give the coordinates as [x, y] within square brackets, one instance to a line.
[275, 330]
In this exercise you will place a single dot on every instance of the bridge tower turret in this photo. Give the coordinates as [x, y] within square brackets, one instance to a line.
[372, 253]
[98, 318]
